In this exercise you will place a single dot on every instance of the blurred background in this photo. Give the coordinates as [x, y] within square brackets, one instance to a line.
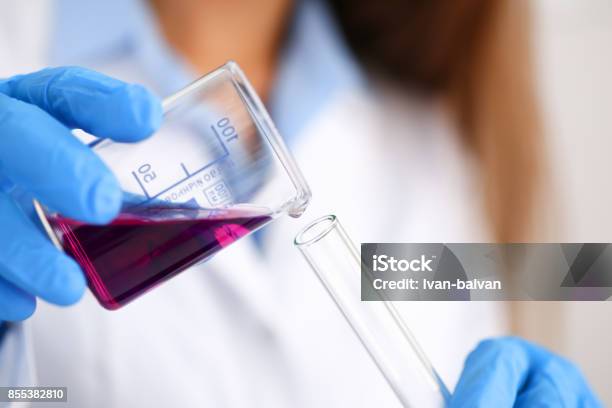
[572, 55]
[574, 62]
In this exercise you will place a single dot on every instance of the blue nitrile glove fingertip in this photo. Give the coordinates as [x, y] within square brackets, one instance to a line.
[22, 309]
[69, 282]
[145, 111]
[155, 112]
[15, 304]
[105, 199]
[25, 309]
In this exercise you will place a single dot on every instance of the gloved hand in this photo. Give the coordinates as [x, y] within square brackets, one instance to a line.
[511, 372]
[40, 158]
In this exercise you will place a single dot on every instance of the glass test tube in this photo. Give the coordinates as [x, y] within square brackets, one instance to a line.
[336, 261]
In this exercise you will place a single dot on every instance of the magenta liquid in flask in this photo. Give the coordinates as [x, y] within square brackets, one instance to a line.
[216, 171]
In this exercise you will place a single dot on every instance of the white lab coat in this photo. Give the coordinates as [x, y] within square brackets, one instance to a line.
[254, 327]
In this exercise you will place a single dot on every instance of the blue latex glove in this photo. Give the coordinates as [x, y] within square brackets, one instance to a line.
[40, 158]
[511, 372]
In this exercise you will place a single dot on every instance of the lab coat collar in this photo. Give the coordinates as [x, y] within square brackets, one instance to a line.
[316, 64]
[91, 30]
[316, 67]
[96, 33]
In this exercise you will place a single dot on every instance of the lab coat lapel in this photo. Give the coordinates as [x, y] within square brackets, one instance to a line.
[393, 171]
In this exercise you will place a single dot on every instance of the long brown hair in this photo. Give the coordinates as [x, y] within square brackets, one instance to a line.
[477, 54]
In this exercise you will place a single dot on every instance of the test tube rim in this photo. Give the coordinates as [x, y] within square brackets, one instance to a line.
[300, 240]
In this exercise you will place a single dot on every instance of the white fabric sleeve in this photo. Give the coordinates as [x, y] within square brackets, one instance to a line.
[16, 356]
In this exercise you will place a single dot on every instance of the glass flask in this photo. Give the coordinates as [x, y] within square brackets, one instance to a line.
[216, 171]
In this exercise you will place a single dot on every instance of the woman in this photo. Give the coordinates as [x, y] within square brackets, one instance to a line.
[394, 145]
